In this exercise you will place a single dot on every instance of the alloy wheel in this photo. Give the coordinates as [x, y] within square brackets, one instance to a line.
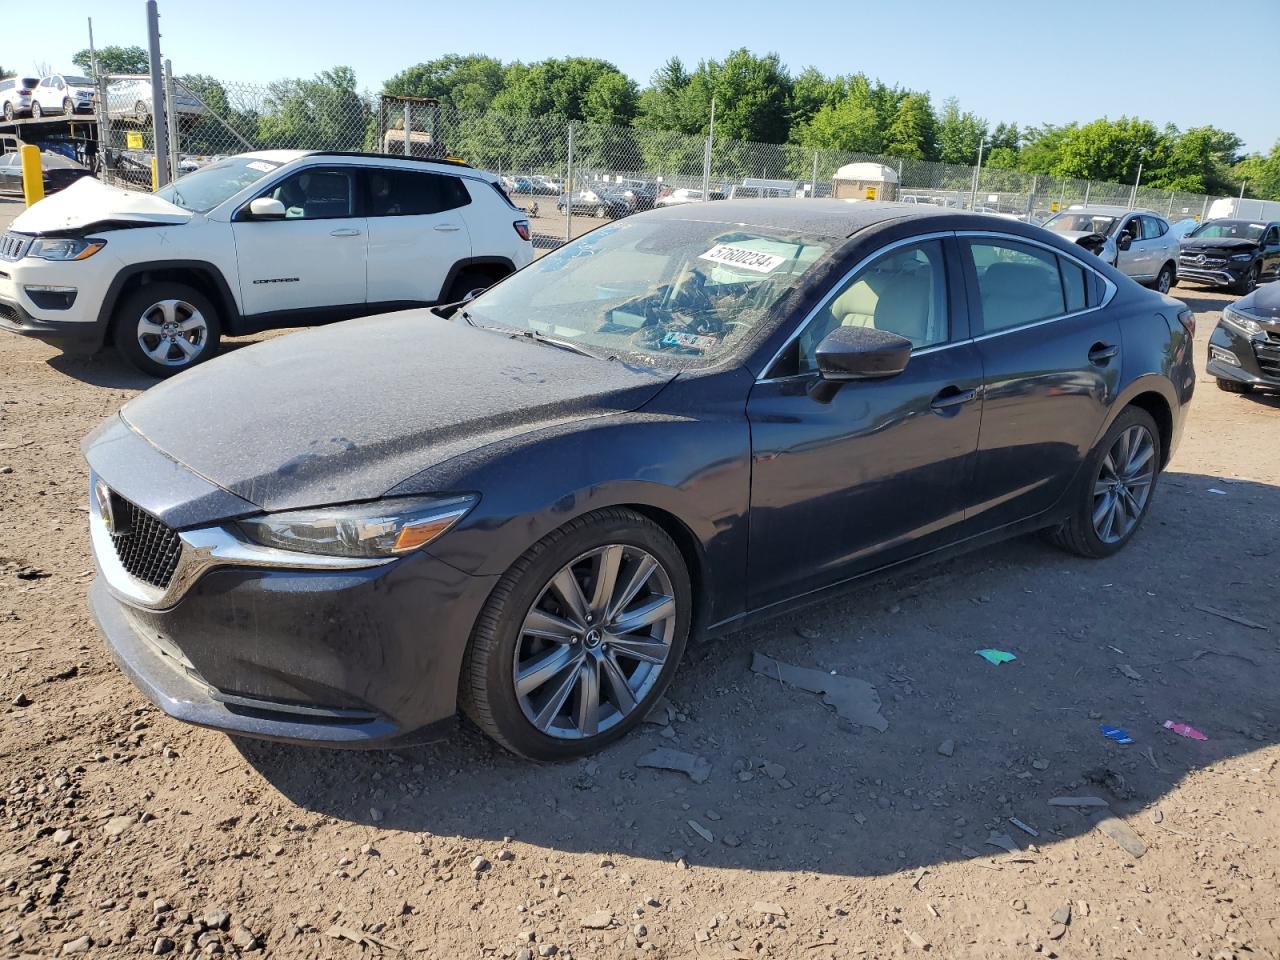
[1165, 280]
[37, 111]
[594, 642]
[173, 333]
[1123, 484]
[8, 111]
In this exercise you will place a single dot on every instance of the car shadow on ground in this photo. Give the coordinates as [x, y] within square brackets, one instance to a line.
[1130, 641]
[107, 368]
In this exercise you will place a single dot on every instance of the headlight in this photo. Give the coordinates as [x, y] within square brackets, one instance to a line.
[69, 249]
[1246, 325]
[1242, 256]
[387, 528]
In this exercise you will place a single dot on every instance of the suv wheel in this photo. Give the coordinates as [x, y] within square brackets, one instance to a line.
[8, 111]
[1249, 281]
[68, 106]
[37, 111]
[142, 112]
[1165, 280]
[164, 328]
[1119, 481]
[579, 637]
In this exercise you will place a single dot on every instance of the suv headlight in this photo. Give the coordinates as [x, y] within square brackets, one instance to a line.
[1246, 325]
[65, 249]
[387, 528]
[1242, 256]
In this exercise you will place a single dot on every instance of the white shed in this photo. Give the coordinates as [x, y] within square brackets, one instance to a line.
[866, 181]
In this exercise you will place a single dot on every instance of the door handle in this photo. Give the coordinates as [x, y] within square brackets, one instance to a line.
[345, 232]
[446, 227]
[1100, 354]
[950, 397]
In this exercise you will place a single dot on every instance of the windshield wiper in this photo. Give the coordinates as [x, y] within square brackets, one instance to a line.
[537, 337]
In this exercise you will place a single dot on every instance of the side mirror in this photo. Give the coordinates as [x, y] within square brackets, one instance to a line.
[857, 353]
[1124, 241]
[266, 208]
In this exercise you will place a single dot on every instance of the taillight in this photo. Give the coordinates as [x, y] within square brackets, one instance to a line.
[1188, 320]
[24, 93]
[522, 228]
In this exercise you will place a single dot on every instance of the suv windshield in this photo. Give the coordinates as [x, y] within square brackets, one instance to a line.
[661, 292]
[1081, 223]
[79, 81]
[1229, 230]
[204, 189]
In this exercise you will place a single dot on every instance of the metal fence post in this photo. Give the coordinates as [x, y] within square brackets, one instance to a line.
[568, 190]
[815, 175]
[408, 122]
[1031, 197]
[706, 155]
[1087, 187]
[171, 119]
[1204, 210]
[977, 173]
[160, 146]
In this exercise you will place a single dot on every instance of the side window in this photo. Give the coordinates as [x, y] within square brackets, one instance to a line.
[405, 193]
[1133, 227]
[317, 194]
[1017, 284]
[904, 291]
[1153, 227]
[1075, 284]
[1273, 236]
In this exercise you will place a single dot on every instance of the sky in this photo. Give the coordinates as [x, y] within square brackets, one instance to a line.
[1029, 62]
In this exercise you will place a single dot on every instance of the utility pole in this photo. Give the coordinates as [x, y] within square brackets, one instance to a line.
[158, 128]
[977, 172]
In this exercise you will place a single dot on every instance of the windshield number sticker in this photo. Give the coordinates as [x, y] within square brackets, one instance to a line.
[260, 165]
[690, 341]
[752, 260]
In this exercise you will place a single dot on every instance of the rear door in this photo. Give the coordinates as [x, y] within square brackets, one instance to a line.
[417, 233]
[1051, 361]
[315, 257]
[1164, 245]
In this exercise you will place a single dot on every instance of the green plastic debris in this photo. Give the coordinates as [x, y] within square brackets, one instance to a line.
[995, 657]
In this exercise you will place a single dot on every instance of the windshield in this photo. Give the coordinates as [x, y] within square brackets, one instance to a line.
[661, 292]
[204, 189]
[1229, 230]
[1081, 223]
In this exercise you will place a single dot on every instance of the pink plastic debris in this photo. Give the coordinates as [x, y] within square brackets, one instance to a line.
[1184, 730]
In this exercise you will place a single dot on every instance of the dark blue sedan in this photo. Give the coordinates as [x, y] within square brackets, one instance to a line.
[525, 504]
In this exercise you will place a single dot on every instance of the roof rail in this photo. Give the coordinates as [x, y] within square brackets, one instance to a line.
[447, 161]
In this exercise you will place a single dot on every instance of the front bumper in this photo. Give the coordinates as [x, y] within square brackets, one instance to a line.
[1257, 361]
[1226, 275]
[366, 658]
[77, 328]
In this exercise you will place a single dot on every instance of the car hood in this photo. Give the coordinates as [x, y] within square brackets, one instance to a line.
[90, 203]
[346, 412]
[1220, 243]
[1263, 302]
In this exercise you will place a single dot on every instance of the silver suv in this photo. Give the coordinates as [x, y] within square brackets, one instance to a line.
[1139, 243]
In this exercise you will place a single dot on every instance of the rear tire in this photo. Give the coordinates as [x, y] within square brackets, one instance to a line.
[142, 112]
[516, 634]
[1115, 491]
[153, 323]
[1166, 279]
[1234, 386]
[8, 111]
[600, 211]
[37, 111]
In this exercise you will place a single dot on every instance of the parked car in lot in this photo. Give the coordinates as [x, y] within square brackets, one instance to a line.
[1231, 253]
[15, 96]
[595, 201]
[129, 98]
[58, 172]
[1244, 348]
[1139, 243]
[62, 93]
[524, 505]
[276, 238]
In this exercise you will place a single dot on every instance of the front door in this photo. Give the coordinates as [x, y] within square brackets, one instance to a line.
[1271, 252]
[417, 233]
[315, 257]
[1138, 260]
[882, 471]
[1052, 368]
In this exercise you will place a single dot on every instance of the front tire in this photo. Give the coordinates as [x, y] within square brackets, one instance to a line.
[37, 111]
[164, 328]
[579, 637]
[1248, 283]
[8, 111]
[1166, 279]
[1116, 490]
[600, 211]
[68, 106]
[142, 112]
[1234, 386]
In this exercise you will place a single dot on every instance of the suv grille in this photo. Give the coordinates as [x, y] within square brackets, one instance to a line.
[13, 246]
[147, 548]
[1212, 259]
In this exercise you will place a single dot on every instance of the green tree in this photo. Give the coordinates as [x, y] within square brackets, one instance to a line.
[913, 134]
[852, 124]
[114, 59]
[323, 113]
[811, 90]
[1001, 158]
[1259, 174]
[959, 134]
[752, 95]
[1111, 150]
[1005, 136]
[580, 88]
[1198, 161]
[664, 104]
[1041, 146]
[5, 73]
[465, 82]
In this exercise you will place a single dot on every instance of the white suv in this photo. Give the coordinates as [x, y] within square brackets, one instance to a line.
[277, 238]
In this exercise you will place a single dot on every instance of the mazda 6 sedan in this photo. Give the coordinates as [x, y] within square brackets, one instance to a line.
[525, 504]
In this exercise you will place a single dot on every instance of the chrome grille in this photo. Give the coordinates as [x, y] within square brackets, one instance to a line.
[13, 246]
[147, 548]
[1193, 260]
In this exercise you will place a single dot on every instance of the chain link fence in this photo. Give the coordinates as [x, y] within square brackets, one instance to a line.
[571, 176]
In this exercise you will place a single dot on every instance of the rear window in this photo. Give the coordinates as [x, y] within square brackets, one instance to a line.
[29, 82]
[407, 193]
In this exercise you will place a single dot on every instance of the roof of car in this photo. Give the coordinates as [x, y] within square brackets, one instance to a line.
[1112, 210]
[288, 156]
[835, 219]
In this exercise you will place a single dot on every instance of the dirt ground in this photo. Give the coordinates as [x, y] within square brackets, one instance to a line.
[126, 833]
